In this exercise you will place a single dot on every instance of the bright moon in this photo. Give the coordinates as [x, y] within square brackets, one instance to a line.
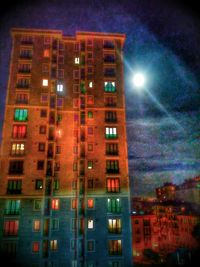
[138, 80]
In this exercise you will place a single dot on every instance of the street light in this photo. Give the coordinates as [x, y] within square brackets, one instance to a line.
[139, 81]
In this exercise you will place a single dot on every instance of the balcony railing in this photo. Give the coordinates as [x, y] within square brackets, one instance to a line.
[14, 191]
[113, 171]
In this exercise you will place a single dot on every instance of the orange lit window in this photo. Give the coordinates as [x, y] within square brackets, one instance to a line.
[74, 203]
[35, 246]
[55, 204]
[90, 203]
[46, 53]
[36, 225]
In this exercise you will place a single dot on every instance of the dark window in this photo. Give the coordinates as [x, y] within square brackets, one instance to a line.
[108, 44]
[40, 165]
[90, 245]
[26, 53]
[90, 183]
[14, 186]
[110, 101]
[109, 72]
[41, 147]
[43, 129]
[43, 113]
[24, 68]
[110, 116]
[21, 98]
[109, 58]
[112, 166]
[23, 83]
[112, 149]
[58, 149]
[16, 167]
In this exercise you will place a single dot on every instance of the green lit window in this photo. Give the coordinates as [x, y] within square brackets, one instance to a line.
[114, 205]
[109, 87]
[56, 184]
[21, 114]
[12, 207]
[83, 89]
[90, 114]
[111, 132]
[38, 184]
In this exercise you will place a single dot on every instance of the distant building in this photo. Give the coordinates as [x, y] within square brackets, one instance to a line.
[162, 233]
[166, 192]
[189, 191]
[64, 190]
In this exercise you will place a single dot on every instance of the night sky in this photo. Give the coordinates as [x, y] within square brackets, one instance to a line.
[163, 41]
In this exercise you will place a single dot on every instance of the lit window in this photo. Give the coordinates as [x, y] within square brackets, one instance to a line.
[60, 87]
[17, 149]
[21, 115]
[35, 247]
[114, 226]
[90, 114]
[115, 247]
[55, 204]
[38, 184]
[90, 147]
[111, 132]
[45, 82]
[74, 203]
[90, 203]
[22, 98]
[76, 60]
[12, 207]
[11, 228]
[54, 244]
[46, 53]
[90, 224]
[37, 205]
[114, 205]
[36, 225]
[90, 164]
[113, 185]
[90, 84]
[109, 87]
[19, 131]
[90, 100]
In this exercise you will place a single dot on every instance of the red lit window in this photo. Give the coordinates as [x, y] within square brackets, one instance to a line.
[90, 203]
[90, 100]
[19, 131]
[35, 246]
[113, 185]
[55, 204]
[11, 228]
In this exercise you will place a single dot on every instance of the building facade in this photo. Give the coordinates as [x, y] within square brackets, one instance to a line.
[64, 187]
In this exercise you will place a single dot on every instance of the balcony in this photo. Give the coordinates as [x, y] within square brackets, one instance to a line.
[24, 71]
[23, 86]
[25, 56]
[111, 120]
[112, 153]
[109, 59]
[112, 171]
[11, 212]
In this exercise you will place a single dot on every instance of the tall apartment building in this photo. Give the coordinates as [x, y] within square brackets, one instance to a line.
[64, 187]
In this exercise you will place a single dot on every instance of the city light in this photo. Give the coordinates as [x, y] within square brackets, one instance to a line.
[139, 80]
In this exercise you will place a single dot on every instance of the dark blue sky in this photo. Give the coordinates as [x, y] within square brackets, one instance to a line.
[163, 40]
